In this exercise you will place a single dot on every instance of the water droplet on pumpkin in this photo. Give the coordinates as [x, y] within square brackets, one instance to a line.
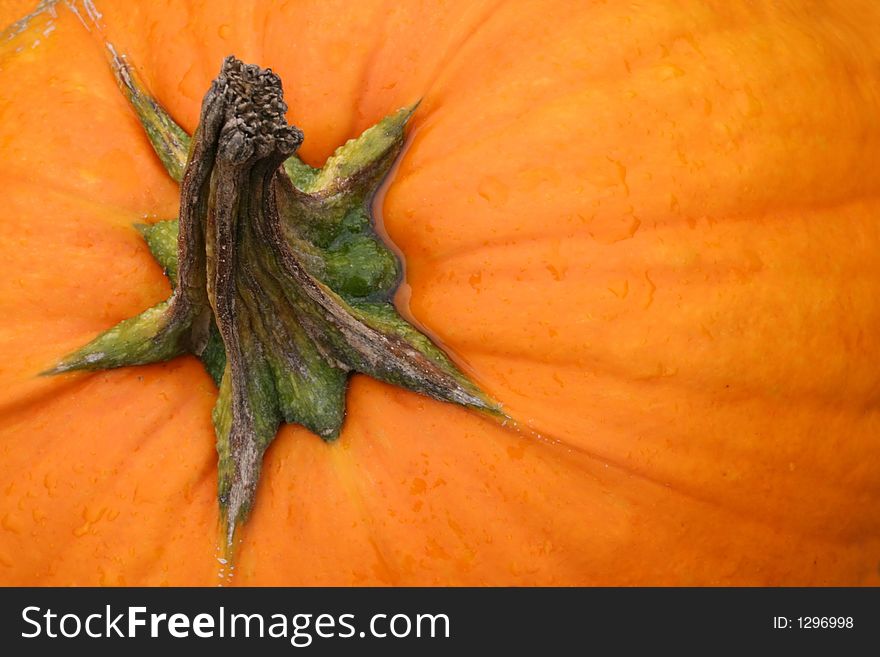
[494, 191]
[707, 106]
[652, 289]
[621, 290]
[11, 524]
[535, 178]
[93, 515]
[50, 481]
[191, 84]
[670, 72]
[224, 31]
[621, 173]
[556, 273]
[750, 103]
[610, 228]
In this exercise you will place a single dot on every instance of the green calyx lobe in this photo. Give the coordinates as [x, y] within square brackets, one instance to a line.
[281, 285]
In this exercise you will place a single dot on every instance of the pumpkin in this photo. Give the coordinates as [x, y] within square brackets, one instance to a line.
[651, 233]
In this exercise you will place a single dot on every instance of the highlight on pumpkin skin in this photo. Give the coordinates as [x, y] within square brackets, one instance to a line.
[281, 284]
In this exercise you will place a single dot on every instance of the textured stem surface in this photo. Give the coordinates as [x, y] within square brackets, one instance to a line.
[281, 285]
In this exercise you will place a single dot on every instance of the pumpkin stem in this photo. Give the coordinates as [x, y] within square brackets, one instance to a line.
[169, 140]
[282, 286]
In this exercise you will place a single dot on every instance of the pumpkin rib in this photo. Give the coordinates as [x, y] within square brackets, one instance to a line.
[559, 447]
[345, 57]
[113, 214]
[92, 385]
[779, 209]
[498, 13]
[356, 126]
[25, 141]
[823, 479]
[738, 511]
[564, 22]
[805, 398]
[507, 117]
[27, 403]
[415, 155]
[499, 130]
[418, 34]
[658, 228]
[461, 46]
[109, 488]
[737, 283]
[346, 473]
[297, 492]
[367, 490]
[706, 507]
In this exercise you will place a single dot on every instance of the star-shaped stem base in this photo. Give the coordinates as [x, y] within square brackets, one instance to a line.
[281, 285]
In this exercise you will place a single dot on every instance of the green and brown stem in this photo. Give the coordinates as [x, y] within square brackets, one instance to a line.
[281, 285]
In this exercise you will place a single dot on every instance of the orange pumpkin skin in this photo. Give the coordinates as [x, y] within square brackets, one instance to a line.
[652, 234]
